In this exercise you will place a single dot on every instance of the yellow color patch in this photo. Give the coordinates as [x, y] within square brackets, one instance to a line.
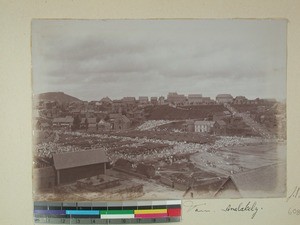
[149, 211]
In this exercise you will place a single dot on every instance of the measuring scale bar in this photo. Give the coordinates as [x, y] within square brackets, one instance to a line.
[107, 212]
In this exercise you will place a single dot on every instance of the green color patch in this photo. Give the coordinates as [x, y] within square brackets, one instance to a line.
[103, 212]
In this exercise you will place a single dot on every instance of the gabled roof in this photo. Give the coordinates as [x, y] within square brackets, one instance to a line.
[76, 159]
[106, 99]
[221, 122]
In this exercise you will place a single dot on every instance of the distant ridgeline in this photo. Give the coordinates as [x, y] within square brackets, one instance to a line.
[56, 96]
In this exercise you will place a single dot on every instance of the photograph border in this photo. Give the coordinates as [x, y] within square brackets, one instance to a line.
[16, 20]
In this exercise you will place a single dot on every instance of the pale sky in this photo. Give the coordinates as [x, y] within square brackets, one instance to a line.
[91, 59]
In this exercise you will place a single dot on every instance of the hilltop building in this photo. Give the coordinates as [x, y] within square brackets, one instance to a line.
[224, 98]
[143, 100]
[128, 101]
[176, 99]
[153, 100]
[240, 100]
[161, 100]
[208, 101]
[195, 99]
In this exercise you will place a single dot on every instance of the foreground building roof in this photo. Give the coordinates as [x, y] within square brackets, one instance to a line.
[81, 158]
[266, 181]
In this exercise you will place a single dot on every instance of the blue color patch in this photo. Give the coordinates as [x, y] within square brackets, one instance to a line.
[82, 212]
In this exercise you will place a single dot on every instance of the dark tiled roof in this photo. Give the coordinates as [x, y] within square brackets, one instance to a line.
[76, 159]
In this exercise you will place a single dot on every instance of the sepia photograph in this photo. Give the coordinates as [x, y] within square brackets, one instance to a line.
[158, 109]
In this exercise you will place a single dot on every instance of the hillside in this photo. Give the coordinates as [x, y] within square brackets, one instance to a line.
[57, 96]
[191, 112]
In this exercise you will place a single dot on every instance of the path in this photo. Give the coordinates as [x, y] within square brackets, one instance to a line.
[260, 129]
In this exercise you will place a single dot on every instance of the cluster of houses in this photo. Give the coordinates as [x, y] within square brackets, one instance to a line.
[108, 114]
[115, 122]
[198, 99]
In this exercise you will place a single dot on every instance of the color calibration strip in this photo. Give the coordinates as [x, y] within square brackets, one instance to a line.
[107, 212]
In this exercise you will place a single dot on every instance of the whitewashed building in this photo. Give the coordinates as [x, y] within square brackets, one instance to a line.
[203, 126]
